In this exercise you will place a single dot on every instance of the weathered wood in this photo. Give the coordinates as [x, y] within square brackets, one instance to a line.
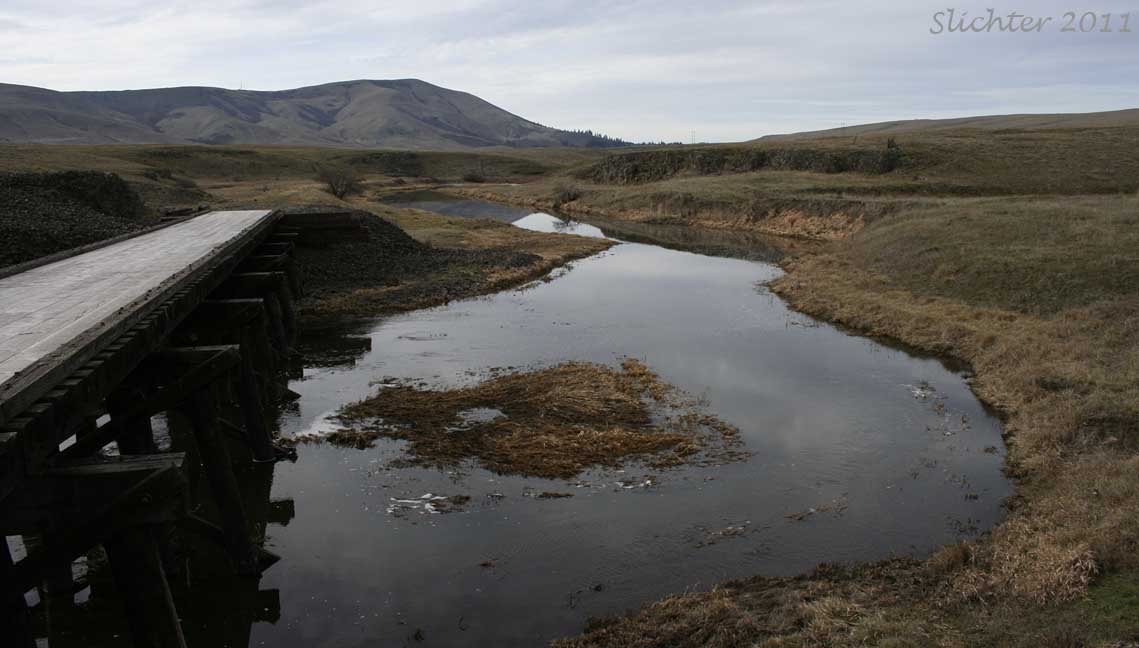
[281, 236]
[135, 435]
[223, 314]
[275, 248]
[153, 499]
[56, 317]
[136, 565]
[15, 627]
[118, 310]
[268, 286]
[207, 364]
[241, 321]
[39, 428]
[201, 411]
[275, 263]
[249, 284]
[252, 407]
[95, 466]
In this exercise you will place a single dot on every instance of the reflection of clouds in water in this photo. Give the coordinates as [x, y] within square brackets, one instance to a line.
[323, 425]
[831, 421]
[540, 222]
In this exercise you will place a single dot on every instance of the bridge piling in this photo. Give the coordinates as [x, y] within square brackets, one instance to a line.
[198, 322]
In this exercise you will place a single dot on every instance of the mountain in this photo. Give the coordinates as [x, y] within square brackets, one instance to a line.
[1112, 118]
[403, 114]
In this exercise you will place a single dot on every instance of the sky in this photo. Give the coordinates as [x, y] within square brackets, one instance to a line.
[640, 70]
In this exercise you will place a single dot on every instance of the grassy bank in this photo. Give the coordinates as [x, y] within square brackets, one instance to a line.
[434, 260]
[1040, 294]
[451, 258]
[830, 188]
[1012, 250]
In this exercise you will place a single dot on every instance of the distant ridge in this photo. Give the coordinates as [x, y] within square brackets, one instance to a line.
[1129, 117]
[404, 114]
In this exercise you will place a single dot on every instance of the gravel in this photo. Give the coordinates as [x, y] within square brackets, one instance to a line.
[45, 213]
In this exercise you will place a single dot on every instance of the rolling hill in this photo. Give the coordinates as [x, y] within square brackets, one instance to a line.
[1108, 119]
[403, 114]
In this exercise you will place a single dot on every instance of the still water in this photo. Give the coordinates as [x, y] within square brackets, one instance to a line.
[859, 451]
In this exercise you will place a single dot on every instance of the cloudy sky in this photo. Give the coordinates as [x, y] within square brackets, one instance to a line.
[638, 69]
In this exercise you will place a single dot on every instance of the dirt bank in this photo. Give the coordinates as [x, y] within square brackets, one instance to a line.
[814, 219]
[45, 213]
[553, 422]
[1034, 294]
[422, 260]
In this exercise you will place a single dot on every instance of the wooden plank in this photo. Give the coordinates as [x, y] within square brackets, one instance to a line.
[58, 315]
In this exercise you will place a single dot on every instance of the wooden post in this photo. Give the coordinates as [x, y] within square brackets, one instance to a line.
[270, 286]
[201, 410]
[252, 410]
[137, 434]
[278, 334]
[139, 578]
[15, 627]
[288, 312]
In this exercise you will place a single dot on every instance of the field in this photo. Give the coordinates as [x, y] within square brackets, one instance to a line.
[1014, 250]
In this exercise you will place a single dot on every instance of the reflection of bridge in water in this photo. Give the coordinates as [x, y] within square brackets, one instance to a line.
[139, 384]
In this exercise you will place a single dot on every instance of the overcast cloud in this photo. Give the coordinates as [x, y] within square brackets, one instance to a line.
[640, 70]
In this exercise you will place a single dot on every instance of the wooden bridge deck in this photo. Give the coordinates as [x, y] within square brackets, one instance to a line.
[62, 313]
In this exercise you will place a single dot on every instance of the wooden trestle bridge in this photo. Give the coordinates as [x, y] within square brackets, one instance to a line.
[134, 377]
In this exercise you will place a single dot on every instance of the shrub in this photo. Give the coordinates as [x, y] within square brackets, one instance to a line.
[564, 193]
[339, 181]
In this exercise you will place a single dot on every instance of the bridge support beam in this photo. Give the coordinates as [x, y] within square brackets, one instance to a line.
[15, 626]
[136, 564]
[186, 351]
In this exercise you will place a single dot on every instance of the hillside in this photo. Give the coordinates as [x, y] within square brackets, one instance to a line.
[1108, 119]
[404, 114]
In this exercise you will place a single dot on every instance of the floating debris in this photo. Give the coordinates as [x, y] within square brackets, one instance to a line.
[647, 482]
[922, 391]
[547, 495]
[714, 536]
[427, 503]
[837, 506]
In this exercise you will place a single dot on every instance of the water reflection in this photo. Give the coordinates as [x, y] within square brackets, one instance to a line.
[860, 451]
[80, 607]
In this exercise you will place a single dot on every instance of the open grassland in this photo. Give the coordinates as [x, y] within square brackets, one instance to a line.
[191, 175]
[1016, 251]
[455, 257]
[829, 188]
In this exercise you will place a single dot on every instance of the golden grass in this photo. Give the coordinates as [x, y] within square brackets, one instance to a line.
[831, 607]
[1067, 383]
[736, 208]
[554, 422]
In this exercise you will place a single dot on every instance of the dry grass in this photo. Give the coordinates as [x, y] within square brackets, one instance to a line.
[1070, 385]
[1040, 295]
[716, 202]
[831, 607]
[460, 280]
[554, 422]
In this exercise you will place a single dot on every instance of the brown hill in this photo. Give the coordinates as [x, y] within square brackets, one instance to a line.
[404, 114]
[1108, 119]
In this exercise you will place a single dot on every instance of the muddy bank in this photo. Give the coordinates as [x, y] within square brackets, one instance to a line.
[819, 219]
[45, 213]
[1061, 569]
[390, 271]
[554, 422]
